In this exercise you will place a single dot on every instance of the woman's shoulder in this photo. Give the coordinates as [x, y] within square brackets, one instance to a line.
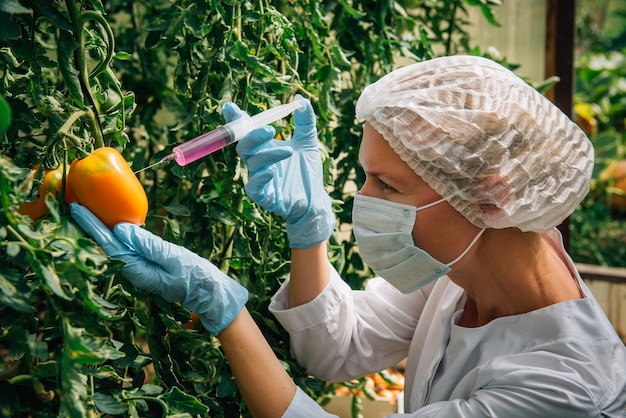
[571, 343]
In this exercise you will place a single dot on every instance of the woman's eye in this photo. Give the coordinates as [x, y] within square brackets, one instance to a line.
[385, 185]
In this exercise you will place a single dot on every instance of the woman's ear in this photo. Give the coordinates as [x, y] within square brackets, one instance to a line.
[492, 195]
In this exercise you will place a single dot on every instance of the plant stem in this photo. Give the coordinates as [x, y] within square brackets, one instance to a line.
[451, 27]
[81, 63]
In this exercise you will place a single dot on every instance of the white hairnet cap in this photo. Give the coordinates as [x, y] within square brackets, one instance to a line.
[501, 153]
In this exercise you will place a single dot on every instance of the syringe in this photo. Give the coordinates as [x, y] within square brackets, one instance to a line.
[218, 138]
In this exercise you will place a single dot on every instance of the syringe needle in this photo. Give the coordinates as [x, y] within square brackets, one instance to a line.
[147, 167]
[161, 161]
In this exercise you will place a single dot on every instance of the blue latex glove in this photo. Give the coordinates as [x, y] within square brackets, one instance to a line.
[169, 270]
[286, 177]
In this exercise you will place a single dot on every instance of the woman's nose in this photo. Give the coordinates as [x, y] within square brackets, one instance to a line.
[368, 189]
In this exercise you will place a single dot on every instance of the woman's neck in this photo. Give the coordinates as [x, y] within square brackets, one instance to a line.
[513, 272]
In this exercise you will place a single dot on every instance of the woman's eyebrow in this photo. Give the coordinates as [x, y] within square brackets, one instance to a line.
[388, 177]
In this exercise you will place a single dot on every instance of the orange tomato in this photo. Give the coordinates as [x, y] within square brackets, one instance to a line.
[52, 183]
[105, 184]
[192, 322]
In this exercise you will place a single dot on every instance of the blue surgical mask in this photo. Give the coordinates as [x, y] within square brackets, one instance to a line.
[383, 233]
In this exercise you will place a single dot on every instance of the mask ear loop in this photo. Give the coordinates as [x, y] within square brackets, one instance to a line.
[469, 247]
[430, 205]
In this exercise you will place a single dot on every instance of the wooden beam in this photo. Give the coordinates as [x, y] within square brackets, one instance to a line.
[559, 50]
[606, 274]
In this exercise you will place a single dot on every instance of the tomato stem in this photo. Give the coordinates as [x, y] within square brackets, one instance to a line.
[64, 130]
[79, 20]
[88, 15]
[18, 236]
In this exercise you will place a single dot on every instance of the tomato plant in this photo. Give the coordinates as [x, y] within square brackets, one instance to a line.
[106, 185]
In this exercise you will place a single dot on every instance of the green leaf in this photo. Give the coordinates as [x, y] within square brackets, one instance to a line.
[226, 386]
[9, 30]
[73, 391]
[340, 56]
[38, 349]
[153, 39]
[14, 7]
[222, 214]
[108, 404]
[486, 8]
[178, 401]
[88, 258]
[13, 249]
[81, 347]
[67, 45]
[122, 56]
[177, 210]
[97, 5]
[35, 235]
[54, 15]
[49, 277]
[14, 291]
[104, 372]
[546, 84]
[151, 390]
[130, 354]
[98, 305]
[247, 56]
[16, 350]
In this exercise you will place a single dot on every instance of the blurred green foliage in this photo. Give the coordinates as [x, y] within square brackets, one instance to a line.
[598, 234]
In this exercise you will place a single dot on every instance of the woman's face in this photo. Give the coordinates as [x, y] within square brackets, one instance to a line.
[387, 176]
[439, 229]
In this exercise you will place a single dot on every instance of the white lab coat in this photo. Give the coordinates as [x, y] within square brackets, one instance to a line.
[564, 360]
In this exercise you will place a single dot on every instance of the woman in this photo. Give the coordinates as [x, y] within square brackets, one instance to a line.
[468, 171]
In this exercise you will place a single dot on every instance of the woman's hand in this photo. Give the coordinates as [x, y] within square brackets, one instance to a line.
[286, 177]
[169, 270]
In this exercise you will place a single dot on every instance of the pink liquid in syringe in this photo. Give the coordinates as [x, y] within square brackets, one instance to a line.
[202, 146]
